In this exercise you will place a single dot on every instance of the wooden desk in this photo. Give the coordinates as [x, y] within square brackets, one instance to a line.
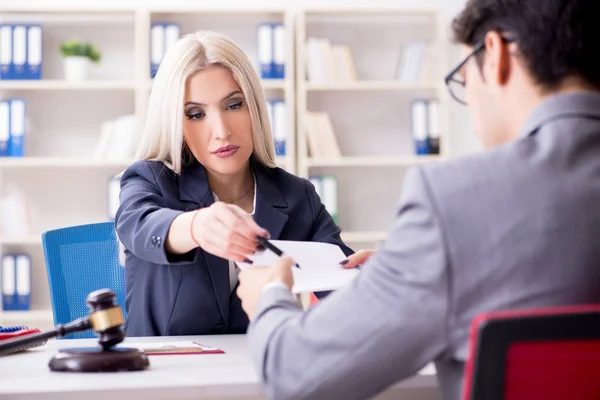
[26, 376]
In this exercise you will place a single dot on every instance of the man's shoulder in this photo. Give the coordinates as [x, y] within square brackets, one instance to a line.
[469, 173]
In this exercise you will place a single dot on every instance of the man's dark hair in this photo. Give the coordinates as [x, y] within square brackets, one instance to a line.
[555, 38]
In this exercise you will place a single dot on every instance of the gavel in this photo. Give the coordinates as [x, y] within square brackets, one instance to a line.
[106, 320]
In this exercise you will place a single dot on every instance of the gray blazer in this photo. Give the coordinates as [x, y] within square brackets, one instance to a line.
[514, 227]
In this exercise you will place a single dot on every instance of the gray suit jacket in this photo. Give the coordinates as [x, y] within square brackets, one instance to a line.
[515, 227]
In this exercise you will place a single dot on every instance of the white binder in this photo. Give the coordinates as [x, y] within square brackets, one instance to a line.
[278, 51]
[4, 127]
[19, 51]
[8, 278]
[279, 133]
[16, 146]
[157, 47]
[6, 44]
[23, 272]
[265, 51]
[34, 52]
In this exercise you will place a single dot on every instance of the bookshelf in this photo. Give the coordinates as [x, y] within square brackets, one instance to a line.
[65, 183]
[349, 65]
[61, 177]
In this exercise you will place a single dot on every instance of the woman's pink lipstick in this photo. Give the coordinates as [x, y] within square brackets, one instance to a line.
[226, 151]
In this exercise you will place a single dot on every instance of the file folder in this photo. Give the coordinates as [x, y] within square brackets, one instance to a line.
[33, 68]
[278, 51]
[279, 133]
[330, 195]
[419, 126]
[23, 286]
[265, 51]
[17, 128]
[316, 181]
[9, 283]
[4, 127]
[114, 190]
[171, 37]
[157, 47]
[270, 112]
[433, 127]
[6, 52]
[19, 51]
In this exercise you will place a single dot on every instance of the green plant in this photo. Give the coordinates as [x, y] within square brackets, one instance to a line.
[74, 48]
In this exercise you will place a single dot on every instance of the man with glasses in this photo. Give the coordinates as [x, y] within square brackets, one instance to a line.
[515, 226]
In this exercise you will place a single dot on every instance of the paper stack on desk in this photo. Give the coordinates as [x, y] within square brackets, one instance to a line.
[320, 268]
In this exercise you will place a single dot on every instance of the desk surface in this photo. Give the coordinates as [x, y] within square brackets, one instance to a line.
[219, 376]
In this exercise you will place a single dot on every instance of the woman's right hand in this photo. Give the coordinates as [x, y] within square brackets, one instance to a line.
[226, 231]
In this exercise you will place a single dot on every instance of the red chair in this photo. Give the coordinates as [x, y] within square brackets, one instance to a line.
[549, 353]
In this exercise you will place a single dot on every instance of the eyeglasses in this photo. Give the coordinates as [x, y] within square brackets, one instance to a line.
[456, 82]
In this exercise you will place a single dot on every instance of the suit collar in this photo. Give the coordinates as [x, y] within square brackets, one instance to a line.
[195, 192]
[580, 104]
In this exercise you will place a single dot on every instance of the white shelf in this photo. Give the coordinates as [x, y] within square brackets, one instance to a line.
[31, 239]
[368, 86]
[371, 161]
[26, 316]
[362, 237]
[57, 84]
[60, 162]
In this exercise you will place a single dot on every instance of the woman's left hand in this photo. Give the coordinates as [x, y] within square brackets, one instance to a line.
[358, 258]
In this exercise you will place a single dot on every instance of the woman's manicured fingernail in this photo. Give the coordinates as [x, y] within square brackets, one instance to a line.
[344, 262]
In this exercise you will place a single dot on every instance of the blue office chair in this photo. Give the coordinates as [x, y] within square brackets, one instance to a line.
[79, 260]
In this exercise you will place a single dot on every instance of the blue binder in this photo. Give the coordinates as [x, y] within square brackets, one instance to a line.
[19, 47]
[33, 68]
[8, 281]
[6, 51]
[157, 47]
[278, 65]
[23, 282]
[4, 127]
[418, 121]
[16, 145]
[279, 127]
[265, 51]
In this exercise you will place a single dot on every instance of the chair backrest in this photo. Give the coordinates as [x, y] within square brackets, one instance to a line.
[547, 353]
[79, 260]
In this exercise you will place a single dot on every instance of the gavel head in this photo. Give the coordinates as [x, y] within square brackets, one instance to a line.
[106, 317]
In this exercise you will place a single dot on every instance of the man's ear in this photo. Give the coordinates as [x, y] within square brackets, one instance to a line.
[496, 65]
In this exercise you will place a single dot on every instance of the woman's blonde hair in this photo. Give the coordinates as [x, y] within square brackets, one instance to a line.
[162, 138]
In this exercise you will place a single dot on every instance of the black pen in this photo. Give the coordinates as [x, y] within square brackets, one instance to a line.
[271, 247]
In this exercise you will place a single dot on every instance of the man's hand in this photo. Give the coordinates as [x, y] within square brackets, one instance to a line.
[254, 279]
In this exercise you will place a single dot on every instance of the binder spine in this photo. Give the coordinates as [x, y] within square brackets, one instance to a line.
[330, 196]
[23, 284]
[265, 51]
[433, 126]
[9, 283]
[278, 66]
[34, 52]
[419, 126]
[4, 127]
[279, 123]
[6, 51]
[16, 143]
[157, 47]
[19, 51]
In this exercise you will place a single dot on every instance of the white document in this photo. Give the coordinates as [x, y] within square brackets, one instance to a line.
[319, 263]
[168, 346]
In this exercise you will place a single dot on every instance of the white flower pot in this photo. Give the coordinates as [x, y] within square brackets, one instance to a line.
[76, 68]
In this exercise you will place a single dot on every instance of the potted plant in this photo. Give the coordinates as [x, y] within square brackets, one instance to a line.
[77, 58]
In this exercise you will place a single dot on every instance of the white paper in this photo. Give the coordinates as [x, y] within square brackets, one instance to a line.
[319, 263]
[168, 345]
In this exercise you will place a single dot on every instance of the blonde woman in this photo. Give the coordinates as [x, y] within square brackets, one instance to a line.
[204, 185]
